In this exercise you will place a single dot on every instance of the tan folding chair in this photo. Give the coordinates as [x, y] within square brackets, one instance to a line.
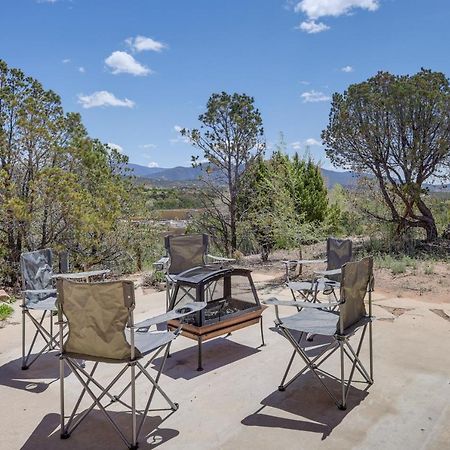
[185, 252]
[102, 330]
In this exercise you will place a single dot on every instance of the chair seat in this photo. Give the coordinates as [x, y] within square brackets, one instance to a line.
[47, 304]
[147, 342]
[315, 321]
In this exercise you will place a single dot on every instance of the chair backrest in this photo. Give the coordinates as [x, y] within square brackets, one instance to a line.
[356, 281]
[186, 251]
[339, 252]
[97, 315]
[36, 269]
[63, 262]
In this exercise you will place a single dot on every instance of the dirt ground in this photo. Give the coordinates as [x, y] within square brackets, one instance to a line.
[415, 282]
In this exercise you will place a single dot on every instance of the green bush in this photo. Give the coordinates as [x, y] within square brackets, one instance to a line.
[5, 311]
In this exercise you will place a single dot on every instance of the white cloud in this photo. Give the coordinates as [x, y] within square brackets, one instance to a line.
[148, 146]
[47, 1]
[315, 9]
[116, 147]
[312, 27]
[305, 83]
[103, 98]
[321, 8]
[123, 62]
[298, 145]
[312, 141]
[347, 69]
[142, 43]
[152, 164]
[81, 69]
[66, 61]
[177, 128]
[314, 96]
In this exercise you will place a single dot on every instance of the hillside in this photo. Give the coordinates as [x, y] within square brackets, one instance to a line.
[189, 175]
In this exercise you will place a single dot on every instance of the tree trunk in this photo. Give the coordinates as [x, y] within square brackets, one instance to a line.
[431, 230]
[427, 222]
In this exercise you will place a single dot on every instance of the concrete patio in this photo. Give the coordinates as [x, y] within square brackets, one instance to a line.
[234, 403]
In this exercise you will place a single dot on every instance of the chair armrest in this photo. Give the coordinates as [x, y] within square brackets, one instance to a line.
[176, 313]
[39, 291]
[303, 261]
[298, 304]
[78, 275]
[219, 259]
[162, 263]
[328, 272]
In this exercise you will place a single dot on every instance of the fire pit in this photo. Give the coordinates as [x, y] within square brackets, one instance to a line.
[232, 303]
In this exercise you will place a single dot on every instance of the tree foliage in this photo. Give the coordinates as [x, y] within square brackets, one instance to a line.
[230, 137]
[397, 129]
[58, 186]
[279, 196]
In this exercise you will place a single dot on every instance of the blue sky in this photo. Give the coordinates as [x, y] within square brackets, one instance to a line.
[138, 69]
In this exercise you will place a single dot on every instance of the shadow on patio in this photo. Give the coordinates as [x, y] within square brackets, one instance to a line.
[306, 399]
[217, 353]
[96, 432]
[30, 380]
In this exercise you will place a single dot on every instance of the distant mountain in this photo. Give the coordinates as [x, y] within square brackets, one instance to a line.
[143, 171]
[178, 175]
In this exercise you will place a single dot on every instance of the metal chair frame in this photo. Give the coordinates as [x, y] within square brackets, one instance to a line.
[340, 342]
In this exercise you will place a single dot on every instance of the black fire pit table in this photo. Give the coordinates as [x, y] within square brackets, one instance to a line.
[231, 298]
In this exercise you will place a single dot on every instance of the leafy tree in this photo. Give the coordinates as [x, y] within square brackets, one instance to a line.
[308, 189]
[264, 206]
[397, 129]
[278, 196]
[230, 137]
[58, 186]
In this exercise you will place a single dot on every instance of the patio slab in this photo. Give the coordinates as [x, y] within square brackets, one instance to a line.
[234, 403]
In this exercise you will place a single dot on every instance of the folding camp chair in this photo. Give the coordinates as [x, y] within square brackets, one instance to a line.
[102, 330]
[339, 325]
[339, 252]
[39, 297]
[185, 252]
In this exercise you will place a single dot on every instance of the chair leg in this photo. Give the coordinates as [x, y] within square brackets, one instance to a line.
[199, 366]
[370, 351]
[63, 432]
[262, 330]
[134, 444]
[343, 405]
[282, 387]
[24, 366]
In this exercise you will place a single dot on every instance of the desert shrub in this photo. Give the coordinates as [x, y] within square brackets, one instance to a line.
[5, 311]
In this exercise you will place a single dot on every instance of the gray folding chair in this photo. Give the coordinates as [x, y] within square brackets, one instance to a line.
[38, 302]
[102, 330]
[339, 252]
[339, 325]
[185, 252]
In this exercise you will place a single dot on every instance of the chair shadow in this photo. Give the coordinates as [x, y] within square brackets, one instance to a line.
[307, 399]
[30, 380]
[95, 432]
[216, 353]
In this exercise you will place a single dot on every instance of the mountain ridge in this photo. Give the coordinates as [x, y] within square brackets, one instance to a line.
[180, 174]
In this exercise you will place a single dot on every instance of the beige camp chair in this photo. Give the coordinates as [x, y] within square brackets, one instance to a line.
[102, 330]
[339, 325]
[185, 252]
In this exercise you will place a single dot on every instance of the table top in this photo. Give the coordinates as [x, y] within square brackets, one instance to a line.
[198, 275]
[78, 275]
